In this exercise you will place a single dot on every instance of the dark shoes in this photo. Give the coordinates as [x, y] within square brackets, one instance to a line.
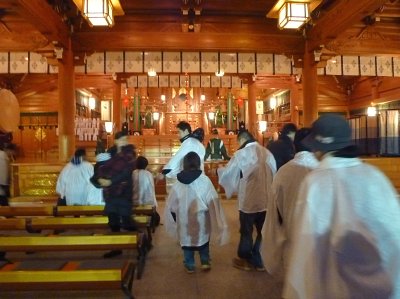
[243, 264]
[112, 253]
[189, 269]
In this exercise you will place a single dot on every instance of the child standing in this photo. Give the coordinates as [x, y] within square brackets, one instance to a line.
[193, 213]
[143, 184]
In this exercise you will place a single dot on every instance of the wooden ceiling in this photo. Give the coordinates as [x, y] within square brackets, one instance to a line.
[235, 25]
[337, 27]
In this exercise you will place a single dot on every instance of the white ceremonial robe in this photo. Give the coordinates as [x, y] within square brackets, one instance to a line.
[73, 182]
[345, 241]
[258, 166]
[199, 214]
[190, 144]
[285, 188]
[94, 196]
[143, 188]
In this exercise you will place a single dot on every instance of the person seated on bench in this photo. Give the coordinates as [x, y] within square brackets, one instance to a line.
[115, 176]
[73, 180]
[143, 187]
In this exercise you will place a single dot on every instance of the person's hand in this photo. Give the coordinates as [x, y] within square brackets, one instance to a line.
[104, 182]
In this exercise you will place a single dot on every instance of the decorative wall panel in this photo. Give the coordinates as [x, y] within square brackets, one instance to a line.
[283, 65]
[205, 81]
[142, 81]
[163, 80]
[95, 63]
[153, 60]
[174, 81]
[247, 63]
[191, 62]
[226, 81]
[265, 63]
[172, 62]
[228, 62]
[236, 82]
[215, 81]
[18, 62]
[3, 62]
[152, 81]
[396, 66]
[133, 62]
[351, 66]
[195, 81]
[384, 66]
[334, 66]
[37, 63]
[200, 63]
[114, 62]
[367, 66]
[209, 62]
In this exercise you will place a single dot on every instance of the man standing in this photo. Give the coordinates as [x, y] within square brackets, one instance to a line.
[115, 176]
[189, 144]
[283, 148]
[216, 148]
[345, 227]
[249, 174]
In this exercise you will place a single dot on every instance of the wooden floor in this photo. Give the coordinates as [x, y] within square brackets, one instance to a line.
[164, 275]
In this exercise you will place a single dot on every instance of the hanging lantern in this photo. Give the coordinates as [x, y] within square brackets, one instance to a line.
[98, 12]
[126, 102]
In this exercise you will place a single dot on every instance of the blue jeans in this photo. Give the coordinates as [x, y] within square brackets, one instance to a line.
[247, 249]
[188, 255]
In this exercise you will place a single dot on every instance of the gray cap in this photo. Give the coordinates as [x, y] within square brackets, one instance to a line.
[329, 132]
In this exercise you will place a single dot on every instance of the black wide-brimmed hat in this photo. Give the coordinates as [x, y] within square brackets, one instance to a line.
[329, 132]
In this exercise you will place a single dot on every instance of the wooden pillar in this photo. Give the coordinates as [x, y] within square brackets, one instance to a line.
[296, 95]
[252, 121]
[67, 105]
[116, 107]
[310, 91]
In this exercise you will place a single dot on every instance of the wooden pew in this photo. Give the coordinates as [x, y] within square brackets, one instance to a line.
[73, 274]
[78, 211]
[94, 222]
[12, 224]
[7, 211]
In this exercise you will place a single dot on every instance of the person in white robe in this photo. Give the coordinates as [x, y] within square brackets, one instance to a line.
[95, 191]
[285, 188]
[72, 183]
[143, 184]
[345, 241]
[193, 214]
[249, 173]
[189, 144]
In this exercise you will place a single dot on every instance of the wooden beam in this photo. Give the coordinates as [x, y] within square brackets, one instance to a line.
[40, 14]
[342, 16]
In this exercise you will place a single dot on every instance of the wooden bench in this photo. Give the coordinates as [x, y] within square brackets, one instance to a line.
[78, 211]
[72, 274]
[7, 211]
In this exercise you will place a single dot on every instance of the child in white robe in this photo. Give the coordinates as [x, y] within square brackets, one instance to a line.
[193, 213]
[74, 178]
[143, 184]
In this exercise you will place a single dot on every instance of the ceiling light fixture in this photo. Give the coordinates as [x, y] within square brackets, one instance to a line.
[292, 14]
[98, 12]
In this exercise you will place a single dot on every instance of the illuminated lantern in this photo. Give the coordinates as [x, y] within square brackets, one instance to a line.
[240, 102]
[126, 102]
